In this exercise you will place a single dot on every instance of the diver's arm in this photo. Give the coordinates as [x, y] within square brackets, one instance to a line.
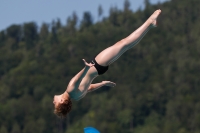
[96, 86]
[76, 80]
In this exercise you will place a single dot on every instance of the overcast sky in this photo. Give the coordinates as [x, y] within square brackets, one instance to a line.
[39, 11]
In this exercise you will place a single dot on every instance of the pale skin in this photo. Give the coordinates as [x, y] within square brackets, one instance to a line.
[81, 83]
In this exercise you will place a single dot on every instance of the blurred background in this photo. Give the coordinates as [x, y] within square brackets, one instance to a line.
[158, 85]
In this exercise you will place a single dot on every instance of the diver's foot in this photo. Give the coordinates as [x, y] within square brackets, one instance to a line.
[153, 18]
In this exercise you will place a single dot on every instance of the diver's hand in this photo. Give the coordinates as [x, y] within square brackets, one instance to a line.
[87, 64]
[109, 83]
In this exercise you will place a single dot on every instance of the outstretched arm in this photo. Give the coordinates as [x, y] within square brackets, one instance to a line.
[96, 86]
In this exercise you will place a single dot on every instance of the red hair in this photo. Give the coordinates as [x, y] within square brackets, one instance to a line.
[63, 108]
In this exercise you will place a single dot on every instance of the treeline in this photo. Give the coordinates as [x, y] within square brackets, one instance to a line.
[157, 81]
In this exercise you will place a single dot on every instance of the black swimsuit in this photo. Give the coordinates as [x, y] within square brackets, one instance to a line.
[100, 69]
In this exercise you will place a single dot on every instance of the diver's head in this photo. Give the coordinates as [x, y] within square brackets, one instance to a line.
[62, 104]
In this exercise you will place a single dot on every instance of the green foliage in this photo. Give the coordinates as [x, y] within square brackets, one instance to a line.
[87, 20]
[157, 81]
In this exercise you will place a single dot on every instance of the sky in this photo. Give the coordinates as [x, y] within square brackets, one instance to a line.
[45, 11]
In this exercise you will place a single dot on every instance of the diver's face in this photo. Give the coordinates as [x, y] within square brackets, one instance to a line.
[57, 100]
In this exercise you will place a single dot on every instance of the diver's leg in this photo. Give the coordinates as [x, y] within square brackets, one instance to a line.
[112, 53]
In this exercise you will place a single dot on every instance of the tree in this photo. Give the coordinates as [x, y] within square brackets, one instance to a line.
[71, 24]
[147, 3]
[114, 16]
[58, 24]
[87, 20]
[44, 31]
[127, 5]
[14, 31]
[100, 11]
[54, 37]
[2, 38]
[30, 34]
